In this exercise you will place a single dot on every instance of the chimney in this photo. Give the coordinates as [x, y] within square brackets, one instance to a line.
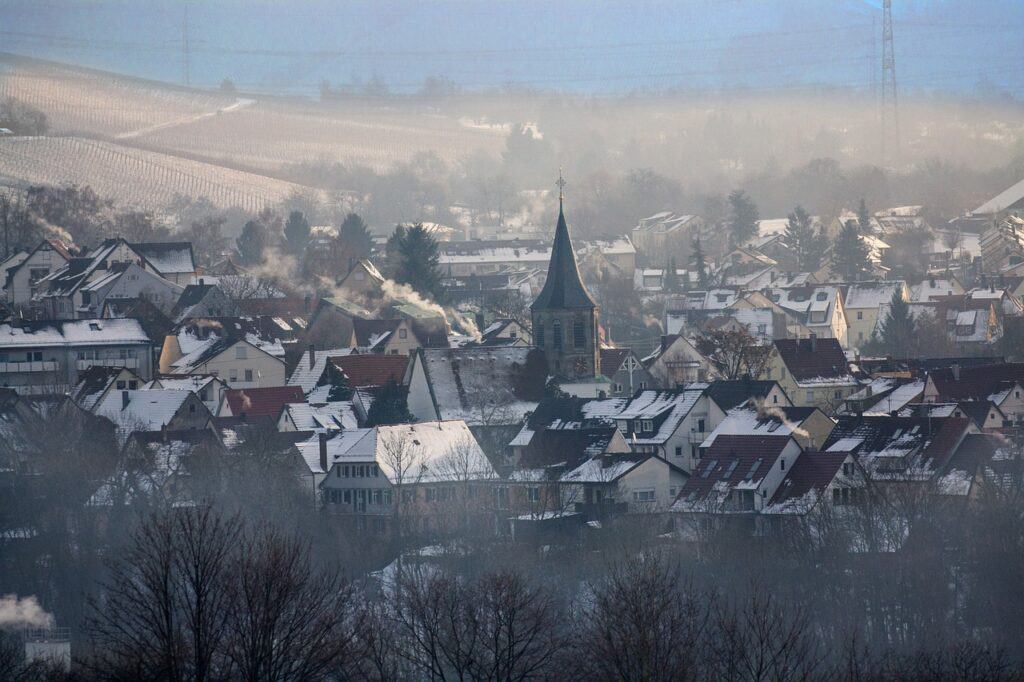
[814, 342]
[312, 355]
[125, 399]
[956, 371]
[323, 452]
[202, 281]
[306, 301]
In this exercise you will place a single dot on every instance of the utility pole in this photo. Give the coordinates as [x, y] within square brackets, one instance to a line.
[184, 46]
[890, 104]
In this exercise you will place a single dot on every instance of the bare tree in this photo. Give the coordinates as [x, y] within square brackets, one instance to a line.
[733, 353]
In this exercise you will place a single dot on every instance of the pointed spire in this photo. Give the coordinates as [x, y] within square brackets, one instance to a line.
[564, 286]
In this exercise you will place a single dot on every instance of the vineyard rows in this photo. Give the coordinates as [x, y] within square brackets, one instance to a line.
[133, 177]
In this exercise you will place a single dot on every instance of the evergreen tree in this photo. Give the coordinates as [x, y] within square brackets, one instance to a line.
[252, 242]
[850, 254]
[390, 406]
[863, 218]
[393, 251]
[671, 278]
[743, 217]
[354, 241]
[700, 265]
[418, 263]
[296, 232]
[898, 327]
[805, 242]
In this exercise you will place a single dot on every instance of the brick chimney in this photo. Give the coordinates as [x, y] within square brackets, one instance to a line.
[312, 355]
[125, 399]
[323, 452]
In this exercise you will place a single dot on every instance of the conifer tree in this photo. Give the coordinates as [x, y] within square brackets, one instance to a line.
[354, 241]
[700, 265]
[252, 242]
[390, 406]
[743, 217]
[806, 242]
[418, 263]
[898, 327]
[850, 260]
[296, 232]
[671, 278]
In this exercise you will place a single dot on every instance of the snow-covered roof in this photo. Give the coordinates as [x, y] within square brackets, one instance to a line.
[306, 376]
[605, 469]
[169, 258]
[744, 421]
[929, 288]
[25, 334]
[1002, 201]
[322, 416]
[465, 382]
[871, 295]
[193, 382]
[147, 410]
[650, 405]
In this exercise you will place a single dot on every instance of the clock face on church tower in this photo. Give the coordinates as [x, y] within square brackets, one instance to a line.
[580, 365]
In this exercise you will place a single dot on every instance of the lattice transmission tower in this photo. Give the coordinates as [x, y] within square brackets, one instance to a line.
[890, 111]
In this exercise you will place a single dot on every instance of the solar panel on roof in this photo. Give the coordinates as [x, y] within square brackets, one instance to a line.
[732, 468]
[707, 470]
[753, 469]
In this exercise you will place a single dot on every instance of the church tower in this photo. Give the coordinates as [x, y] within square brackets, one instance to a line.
[565, 316]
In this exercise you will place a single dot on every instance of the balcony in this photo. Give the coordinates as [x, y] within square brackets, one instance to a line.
[37, 366]
[130, 363]
[698, 437]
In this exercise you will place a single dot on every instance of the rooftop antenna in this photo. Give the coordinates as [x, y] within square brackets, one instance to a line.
[890, 103]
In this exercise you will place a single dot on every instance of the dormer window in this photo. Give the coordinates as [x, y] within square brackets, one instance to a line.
[647, 426]
[722, 298]
[822, 296]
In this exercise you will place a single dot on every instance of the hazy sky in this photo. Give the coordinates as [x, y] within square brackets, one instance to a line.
[570, 44]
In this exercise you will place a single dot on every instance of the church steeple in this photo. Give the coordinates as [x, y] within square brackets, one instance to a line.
[565, 316]
[564, 286]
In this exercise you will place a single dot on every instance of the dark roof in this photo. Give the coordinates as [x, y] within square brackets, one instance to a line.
[977, 410]
[753, 456]
[366, 330]
[563, 288]
[812, 470]
[568, 447]
[371, 370]
[289, 306]
[975, 450]
[728, 394]
[262, 402]
[193, 294]
[612, 359]
[810, 358]
[976, 383]
[929, 441]
[93, 380]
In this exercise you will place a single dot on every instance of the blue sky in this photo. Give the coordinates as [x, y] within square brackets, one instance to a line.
[587, 46]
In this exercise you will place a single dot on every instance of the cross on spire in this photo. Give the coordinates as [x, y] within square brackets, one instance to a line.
[561, 187]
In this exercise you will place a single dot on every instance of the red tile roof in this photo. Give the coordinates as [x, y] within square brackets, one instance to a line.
[262, 402]
[371, 370]
[732, 460]
[612, 359]
[811, 358]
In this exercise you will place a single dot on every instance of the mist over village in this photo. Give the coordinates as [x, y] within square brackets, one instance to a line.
[512, 341]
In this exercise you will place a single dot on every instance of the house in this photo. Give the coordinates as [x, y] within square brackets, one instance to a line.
[12, 260]
[431, 477]
[901, 219]
[653, 280]
[738, 474]
[331, 323]
[46, 356]
[233, 349]
[640, 483]
[933, 288]
[476, 385]
[677, 362]
[1002, 384]
[258, 403]
[85, 298]
[1002, 244]
[728, 394]
[813, 372]
[209, 388]
[154, 322]
[818, 478]
[664, 234]
[1009, 202]
[362, 371]
[317, 417]
[203, 300]
[808, 426]
[174, 261]
[20, 279]
[970, 468]
[308, 372]
[615, 258]
[862, 304]
[505, 332]
[155, 410]
[391, 337]
[670, 423]
[900, 449]
[463, 258]
[95, 383]
[885, 395]
[363, 284]
[625, 370]
[818, 308]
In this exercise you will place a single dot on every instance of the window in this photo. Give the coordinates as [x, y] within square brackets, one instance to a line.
[344, 470]
[579, 334]
[192, 408]
[376, 496]
[643, 495]
[121, 385]
[403, 334]
[810, 396]
[232, 374]
[782, 464]
[133, 385]
[860, 314]
[775, 400]
[700, 425]
[647, 425]
[533, 494]
[556, 335]
[822, 296]
[348, 496]
[241, 352]
[838, 395]
[248, 375]
[817, 316]
[539, 333]
[679, 451]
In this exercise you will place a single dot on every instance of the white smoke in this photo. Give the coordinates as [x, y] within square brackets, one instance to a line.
[403, 293]
[779, 414]
[22, 613]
